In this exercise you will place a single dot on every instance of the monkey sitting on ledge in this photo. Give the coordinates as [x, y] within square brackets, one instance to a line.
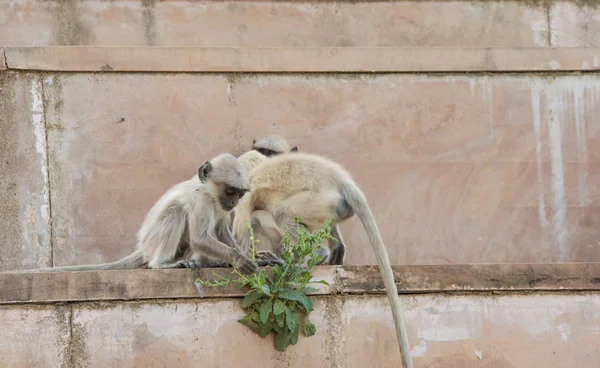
[189, 226]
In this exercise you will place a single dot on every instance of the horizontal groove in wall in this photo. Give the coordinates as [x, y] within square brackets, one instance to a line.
[531, 3]
[179, 283]
[299, 60]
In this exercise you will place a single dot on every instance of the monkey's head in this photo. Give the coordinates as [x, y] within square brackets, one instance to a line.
[228, 179]
[272, 145]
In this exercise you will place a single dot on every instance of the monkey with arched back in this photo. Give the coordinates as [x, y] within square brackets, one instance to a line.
[262, 222]
[263, 225]
[315, 189]
[189, 226]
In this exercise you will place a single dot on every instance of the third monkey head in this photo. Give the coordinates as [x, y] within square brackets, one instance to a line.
[272, 145]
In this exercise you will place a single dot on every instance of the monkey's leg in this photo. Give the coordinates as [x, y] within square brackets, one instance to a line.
[263, 223]
[337, 246]
[166, 238]
[312, 208]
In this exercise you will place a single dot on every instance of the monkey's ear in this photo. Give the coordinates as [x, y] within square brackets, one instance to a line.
[294, 149]
[204, 171]
[253, 141]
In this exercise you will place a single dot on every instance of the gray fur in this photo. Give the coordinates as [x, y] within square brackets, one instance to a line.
[273, 145]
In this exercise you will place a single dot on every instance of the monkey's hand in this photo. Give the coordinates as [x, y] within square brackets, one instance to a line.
[244, 264]
[267, 258]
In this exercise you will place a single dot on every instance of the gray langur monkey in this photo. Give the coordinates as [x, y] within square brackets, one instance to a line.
[315, 189]
[264, 226]
[189, 226]
[273, 145]
[262, 222]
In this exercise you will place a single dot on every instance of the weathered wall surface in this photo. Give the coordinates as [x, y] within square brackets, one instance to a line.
[230, 23]
[24, 192]
[546, 330]
[457, 169]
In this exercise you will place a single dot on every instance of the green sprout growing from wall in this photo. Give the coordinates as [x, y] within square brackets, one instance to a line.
[277, 294]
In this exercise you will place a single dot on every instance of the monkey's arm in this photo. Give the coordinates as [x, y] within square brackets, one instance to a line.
[226, 237]
[204, 241]
[209, 245]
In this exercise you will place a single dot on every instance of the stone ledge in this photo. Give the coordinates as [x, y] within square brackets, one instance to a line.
[179, 283]
[298, 60]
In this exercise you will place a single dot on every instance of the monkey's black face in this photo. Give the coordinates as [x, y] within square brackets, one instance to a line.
[230, 196]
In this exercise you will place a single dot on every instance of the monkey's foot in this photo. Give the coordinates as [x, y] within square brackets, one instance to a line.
[267, 258]
[323, 254]
[245, 265]
[189, 263]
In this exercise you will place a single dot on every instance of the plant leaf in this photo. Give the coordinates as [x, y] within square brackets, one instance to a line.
[251, 297]
[246, 321]
[308, 328]
[291, 319]
[300, 297]
[278, 307]
[265, 310]
[280, 320]
[282, 340]
[265, 328]
[265, 289]
[294, 336]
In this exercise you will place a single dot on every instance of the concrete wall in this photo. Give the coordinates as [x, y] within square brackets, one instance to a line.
[294, 23]
[458, 168]
[558, 327]
[477, 167]
[451, 331]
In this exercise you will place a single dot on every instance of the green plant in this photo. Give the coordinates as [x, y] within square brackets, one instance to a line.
[277, 294]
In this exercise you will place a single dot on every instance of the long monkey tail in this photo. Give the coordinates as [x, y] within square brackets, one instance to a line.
[357, 200]
[132, 261]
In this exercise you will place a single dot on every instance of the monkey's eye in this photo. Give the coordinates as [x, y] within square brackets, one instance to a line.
[229, 192]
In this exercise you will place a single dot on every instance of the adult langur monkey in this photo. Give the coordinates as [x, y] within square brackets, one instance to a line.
[264, 226]
[188, 227]
[262, 222]
[315, 189]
